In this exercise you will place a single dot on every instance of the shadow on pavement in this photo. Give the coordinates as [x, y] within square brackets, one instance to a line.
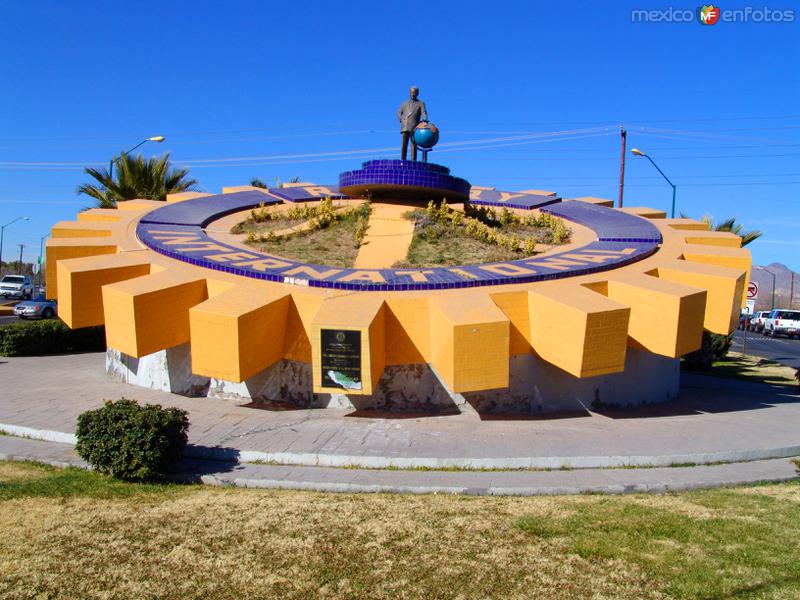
[701, 394]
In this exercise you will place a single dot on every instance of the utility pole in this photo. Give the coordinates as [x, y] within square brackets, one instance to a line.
[21, 246]
[791, 293]
[624, 136]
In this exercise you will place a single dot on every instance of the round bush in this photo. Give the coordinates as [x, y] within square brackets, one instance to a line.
[132, 442]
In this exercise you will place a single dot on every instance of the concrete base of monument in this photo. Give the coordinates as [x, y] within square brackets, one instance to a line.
[535, 386]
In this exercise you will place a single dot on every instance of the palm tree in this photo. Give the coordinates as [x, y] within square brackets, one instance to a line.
[731, 226]
[151, 179]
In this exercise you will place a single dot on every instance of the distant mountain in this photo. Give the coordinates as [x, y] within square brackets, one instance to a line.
[783, 286]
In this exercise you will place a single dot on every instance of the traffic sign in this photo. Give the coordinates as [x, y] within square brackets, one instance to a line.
[752, 290]
[751, 306]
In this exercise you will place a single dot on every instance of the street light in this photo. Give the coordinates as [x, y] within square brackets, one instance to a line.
[638, 152]
[155, 138]
[39, 270]
[2, 232]
[773, 284]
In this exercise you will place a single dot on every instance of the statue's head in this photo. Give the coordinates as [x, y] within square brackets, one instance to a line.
[414, 92]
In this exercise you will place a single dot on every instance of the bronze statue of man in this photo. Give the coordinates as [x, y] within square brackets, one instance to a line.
[411, 112]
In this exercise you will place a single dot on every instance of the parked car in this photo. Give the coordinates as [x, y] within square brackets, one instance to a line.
[16, 286]
[38, 308]
[783, 322]
[757, 321]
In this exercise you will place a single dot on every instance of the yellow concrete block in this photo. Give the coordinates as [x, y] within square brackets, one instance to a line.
[597, 201]
[736, 258]
[100, 214]
[302, 310]
[238, 333]
[183, 196]
[81, 229]
[666, 317]
[724, 285]
[538, 192]
[150, 313]
[62, 248]
[469, 343]
[645, 212]
[714, 238]
[139, 205]
[80, 298]
[232, 189]
[364, 314]
[578, 330]
[407, 329]
[515, 307]
[688, 224]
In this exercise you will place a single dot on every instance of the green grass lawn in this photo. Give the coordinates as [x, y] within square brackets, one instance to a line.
[454, 248]
[334, 245]
[73, 534]
[751, 368]
[438, 244]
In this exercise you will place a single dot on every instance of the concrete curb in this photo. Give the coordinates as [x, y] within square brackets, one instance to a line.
[526, 483]
[563, 490]
[235, 455]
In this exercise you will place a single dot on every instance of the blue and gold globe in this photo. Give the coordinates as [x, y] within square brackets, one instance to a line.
[426, 135]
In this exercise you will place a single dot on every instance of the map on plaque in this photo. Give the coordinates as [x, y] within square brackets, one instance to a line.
[341, 358]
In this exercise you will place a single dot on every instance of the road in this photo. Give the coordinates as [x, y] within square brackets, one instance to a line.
[7, 320]
[780, 349]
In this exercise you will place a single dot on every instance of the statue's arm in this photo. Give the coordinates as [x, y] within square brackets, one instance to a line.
[424, 113]
[400, 113]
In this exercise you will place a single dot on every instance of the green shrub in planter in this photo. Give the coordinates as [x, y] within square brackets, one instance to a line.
[38, 338]
[132, 442]
[715, 347]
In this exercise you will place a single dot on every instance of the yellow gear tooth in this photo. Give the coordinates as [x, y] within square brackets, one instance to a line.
[363, 313]
[80, 299]
[100, 214]
[645, 212]
[737, 258]
[182, 196]
[538, 192]
[301, 313]
[81, 229]
[139, 205]
[724, 286]
[579, 330]
[597, 201]
[62, 248]
[515, 307]
[714, 238]
[151, 313]
[232, 189]
[238, 333]
[408, 329]
[666, 317]
[469, 342]
[687, 224]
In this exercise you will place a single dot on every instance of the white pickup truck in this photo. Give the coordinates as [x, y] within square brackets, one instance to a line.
[783, 322]
[16, 286]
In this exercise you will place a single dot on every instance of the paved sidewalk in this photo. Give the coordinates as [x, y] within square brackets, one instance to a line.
[388, 237]
[521, 483]
[715, 420]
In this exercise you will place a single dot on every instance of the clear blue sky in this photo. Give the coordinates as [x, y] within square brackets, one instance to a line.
[716, 106]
